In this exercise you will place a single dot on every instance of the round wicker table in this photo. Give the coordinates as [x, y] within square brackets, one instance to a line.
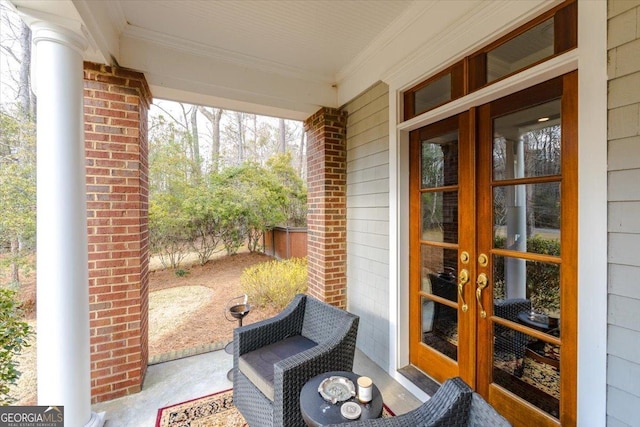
[317, 412]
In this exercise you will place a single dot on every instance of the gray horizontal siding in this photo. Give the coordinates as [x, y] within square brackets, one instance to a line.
[622, 406]
[624, 217]
[623, 343]
[368, 219]
[371, 173]
[623, 312]
[623, 185]
[371, 226]
[624, 249]
[623, 374]
[613, 422]
[622, 283]
[369, 214]
[623, 340]
[624, 153]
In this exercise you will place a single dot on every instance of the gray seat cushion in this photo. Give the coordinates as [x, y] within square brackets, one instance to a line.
[257, 365]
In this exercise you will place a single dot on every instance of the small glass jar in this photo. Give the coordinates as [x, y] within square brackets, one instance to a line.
[365, 386]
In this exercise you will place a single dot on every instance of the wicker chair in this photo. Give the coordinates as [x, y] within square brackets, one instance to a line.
[510, 343]
[444, 316]
[274, 358]
[454, 404]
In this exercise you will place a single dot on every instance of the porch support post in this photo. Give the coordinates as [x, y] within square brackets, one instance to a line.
[62, 275]
[115, 131]
[327, 213]
[516, 269]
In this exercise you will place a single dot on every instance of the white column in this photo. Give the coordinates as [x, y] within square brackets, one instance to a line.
[516, 200]
[62, 251]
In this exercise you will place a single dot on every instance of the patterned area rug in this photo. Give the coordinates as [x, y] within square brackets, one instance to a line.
[210, 411]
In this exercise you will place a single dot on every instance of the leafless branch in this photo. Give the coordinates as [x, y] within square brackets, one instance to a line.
[172, 117]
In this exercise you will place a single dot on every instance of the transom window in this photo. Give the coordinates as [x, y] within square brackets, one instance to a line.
[549, 35]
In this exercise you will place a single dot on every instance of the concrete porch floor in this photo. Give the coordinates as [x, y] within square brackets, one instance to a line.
[179, 380]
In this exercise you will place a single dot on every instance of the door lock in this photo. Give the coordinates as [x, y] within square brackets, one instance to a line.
[483, 260]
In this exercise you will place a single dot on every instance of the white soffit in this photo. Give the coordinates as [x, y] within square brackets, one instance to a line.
[314, 37]
[280, 54]
[284, 58]
[439, 34]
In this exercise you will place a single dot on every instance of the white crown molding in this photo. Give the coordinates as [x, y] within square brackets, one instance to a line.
[199, 97]
[465, 33]
[407, 18]
[224, 55]
[435, 19]
[63, 13]
[51, 27]
[199, 76]
[116, 13]
[104, 27]
[444, 44]
[436, 39]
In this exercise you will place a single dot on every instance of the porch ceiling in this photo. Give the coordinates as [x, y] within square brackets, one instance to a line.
[279, 57]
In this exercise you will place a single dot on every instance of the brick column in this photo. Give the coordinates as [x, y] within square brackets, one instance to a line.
[116, 102]
[327, 214]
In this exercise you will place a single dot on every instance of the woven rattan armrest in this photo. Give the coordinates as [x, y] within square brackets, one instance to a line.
[333, 330]
[454, 404]
[256, 335]
[292, 373]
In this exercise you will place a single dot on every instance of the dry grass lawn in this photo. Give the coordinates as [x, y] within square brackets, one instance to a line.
[184, 312]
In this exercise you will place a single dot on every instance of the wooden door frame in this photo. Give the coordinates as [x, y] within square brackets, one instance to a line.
[565, 86]
[441, 366]
[472, 370]
[592, 265]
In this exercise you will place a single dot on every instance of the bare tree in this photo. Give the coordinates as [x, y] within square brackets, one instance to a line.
[16, 46]
[195, 144]
[241, 135]
[189, 125]
[302, 155]
[214, 116]
[282, 137]
[25, 94]
[17, 149]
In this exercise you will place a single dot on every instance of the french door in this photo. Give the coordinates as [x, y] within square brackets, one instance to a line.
[493, 250]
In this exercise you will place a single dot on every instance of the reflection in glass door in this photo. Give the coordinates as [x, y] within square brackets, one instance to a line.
[526, 159]
[527, 217]
[439, 213]
[493, 250]
[437, 281]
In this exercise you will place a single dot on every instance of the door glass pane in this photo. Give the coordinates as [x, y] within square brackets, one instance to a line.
[527, 218]
[527, 292]
[439, 161]
[528, 367]
[440, 216]
[439, 278]
[440, 327]
[527, 143]
[439, 263]
[521, 51]
[433, 94]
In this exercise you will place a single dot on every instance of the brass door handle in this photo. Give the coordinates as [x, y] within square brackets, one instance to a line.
[463, 278]
[482, 283]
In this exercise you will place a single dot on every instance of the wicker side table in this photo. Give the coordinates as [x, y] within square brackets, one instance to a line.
[317, 412]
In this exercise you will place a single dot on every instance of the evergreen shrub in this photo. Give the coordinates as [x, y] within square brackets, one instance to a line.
[13, 335]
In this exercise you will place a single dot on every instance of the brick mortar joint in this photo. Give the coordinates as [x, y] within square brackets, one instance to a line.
[121, 72]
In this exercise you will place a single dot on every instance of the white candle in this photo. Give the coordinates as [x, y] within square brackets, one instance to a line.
[365, 385]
